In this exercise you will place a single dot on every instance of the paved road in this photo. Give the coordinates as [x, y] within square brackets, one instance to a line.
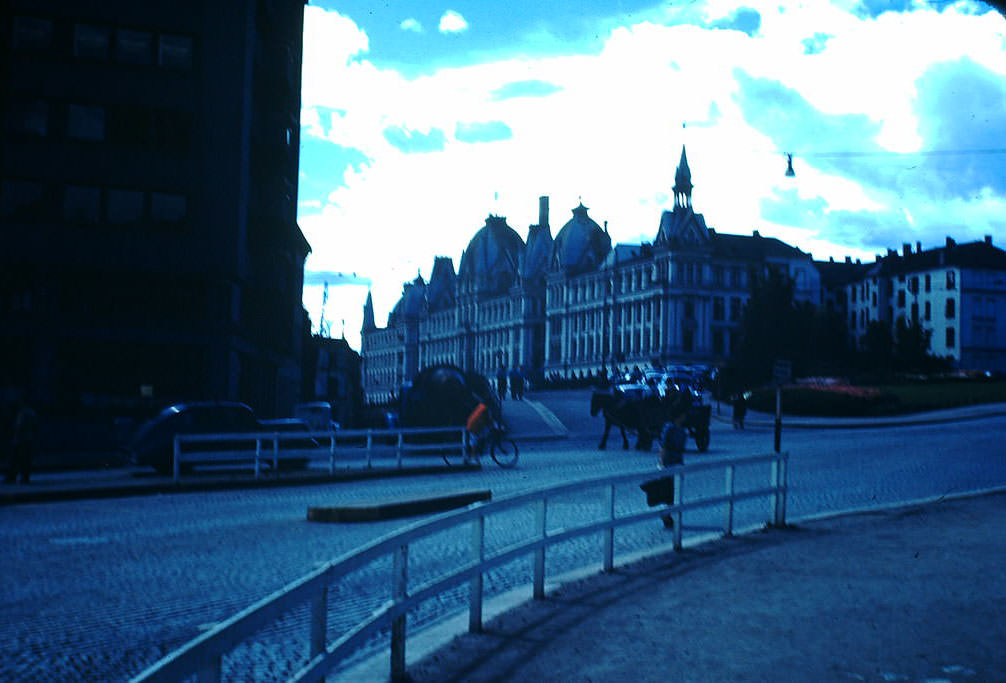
[100, 589]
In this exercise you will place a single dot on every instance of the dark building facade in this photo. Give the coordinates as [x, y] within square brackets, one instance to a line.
[148, 197]
[332, 374]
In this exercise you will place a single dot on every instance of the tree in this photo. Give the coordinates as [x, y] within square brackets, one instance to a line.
[773, 327]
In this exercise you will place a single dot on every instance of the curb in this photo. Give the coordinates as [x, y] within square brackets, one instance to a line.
[880, 422]
[158, 488]
[372, 512]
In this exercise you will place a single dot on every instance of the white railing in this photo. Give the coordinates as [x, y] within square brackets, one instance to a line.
[202, 657]
[272, 448]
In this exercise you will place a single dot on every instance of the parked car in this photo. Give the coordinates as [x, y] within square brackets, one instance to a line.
[317, 415]
[153, 443]
[291, 450]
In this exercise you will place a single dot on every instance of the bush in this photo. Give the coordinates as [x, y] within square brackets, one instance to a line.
[835, 400]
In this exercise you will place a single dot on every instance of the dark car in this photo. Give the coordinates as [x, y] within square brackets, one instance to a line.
[291, 452]
[153, 443]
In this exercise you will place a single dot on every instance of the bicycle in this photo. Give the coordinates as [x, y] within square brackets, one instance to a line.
[502, 449]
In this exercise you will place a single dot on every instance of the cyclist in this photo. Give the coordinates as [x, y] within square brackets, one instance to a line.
[478, 425]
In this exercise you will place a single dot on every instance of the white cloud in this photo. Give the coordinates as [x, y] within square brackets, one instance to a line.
[411, 24]
[452, 22]
[614, 140]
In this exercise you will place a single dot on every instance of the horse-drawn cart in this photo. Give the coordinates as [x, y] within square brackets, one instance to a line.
[697, 425]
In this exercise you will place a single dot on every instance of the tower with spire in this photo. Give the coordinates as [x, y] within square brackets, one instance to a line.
[683, 183]
[368, 314]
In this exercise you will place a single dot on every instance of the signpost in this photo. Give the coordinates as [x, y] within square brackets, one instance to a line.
[782, 373]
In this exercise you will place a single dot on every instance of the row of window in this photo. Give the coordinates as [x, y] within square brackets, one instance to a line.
[864, 291]
[128, 125]
[101, 43]
[30, 201]
[641, 278]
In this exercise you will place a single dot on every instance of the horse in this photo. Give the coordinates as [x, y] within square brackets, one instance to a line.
[642, 412]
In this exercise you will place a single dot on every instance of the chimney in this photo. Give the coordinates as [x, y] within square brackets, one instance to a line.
[831, 259]
[757, 234]
[858, 262]
[988, 240]
[906, 249]
[848, 259]
[543, 210]
[950, 242]
[918, 247]
[891, 252]
[605, 227]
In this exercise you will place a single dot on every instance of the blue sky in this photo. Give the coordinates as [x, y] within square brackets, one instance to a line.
[420, 118]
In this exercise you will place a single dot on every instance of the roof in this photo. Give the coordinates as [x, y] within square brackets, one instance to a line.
[752, 247]
[840, 273]
[490, 263]
[981, 255]
[581, 243]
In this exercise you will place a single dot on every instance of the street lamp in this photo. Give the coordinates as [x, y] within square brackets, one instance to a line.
[790, 173]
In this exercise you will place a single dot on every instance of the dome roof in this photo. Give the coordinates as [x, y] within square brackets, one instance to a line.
[490, 263]
[581, 244]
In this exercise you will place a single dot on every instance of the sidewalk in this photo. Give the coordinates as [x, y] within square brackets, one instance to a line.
[908, 594]
[757, 419]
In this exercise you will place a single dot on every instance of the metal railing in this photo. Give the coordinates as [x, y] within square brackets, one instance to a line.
[203, 656]
[272, 448]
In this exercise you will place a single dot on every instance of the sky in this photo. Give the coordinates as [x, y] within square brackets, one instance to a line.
[420, 118]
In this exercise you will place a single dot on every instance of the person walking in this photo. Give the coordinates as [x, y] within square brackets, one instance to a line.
[740, 405]
[660, 491]
[22, 447]
[516, 384]
[501, 382]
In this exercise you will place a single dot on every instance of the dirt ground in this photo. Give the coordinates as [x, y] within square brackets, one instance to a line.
[913, 594]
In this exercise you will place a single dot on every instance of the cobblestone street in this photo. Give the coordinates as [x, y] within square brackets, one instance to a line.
[99, 589]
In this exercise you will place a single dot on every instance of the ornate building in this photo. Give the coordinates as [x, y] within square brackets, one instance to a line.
[577, 305]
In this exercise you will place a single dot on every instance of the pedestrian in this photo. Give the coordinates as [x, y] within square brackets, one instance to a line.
[501, 382]
[740, 405]
[660, 491]
[22, 445]
[516, 384]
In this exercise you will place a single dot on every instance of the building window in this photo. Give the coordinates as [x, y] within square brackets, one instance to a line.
[735, 309]
[951, 279]
[124, 206]
[167, 208]
[854, 295]
[32, 34]
[913, 285]
[134, 47]
[951, 309]
[19, 198]
[929, 282]
[901, 298]
[27, 117]
[951, 337]
[91, 42]
[915, 312]
[175, 51]
[929, 311]
[718, 342]
[689, 310]
[85, 123]
[719, 309]
[874, 294]
[81, 204]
